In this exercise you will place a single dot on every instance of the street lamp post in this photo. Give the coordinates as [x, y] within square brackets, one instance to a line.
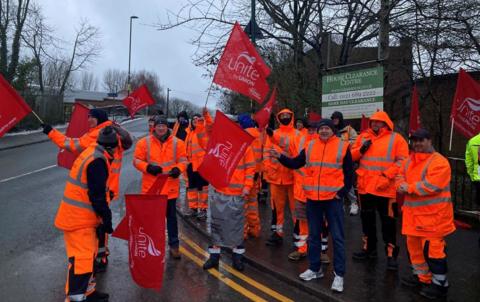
[130, 54]
[168, 99]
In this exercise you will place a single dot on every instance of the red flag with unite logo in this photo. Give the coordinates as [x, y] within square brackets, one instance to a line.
[138, 99]
[263, 115]
[241, 68]
[466, 105]
[12, 107]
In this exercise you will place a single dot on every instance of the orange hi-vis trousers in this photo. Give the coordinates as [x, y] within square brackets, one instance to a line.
[197, 199]
[81, 246]
[428, 258]
[252, 218]
[279, 196]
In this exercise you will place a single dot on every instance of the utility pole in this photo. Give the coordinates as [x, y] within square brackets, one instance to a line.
[130, 54]
[168, 97]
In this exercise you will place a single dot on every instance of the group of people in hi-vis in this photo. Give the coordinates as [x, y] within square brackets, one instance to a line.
[309, 165]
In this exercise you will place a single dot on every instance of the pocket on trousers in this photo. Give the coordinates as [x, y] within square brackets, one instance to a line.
[426, 222]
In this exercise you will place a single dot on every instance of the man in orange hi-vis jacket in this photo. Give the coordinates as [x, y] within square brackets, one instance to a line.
[97, 120]
[427, 215]
[380, 152]
[163, 153]
[279, 177]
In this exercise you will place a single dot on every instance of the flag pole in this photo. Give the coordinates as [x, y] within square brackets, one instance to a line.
[36, 115]
[451, 135]
[208, 94]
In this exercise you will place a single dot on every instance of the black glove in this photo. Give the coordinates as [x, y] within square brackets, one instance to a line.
[46, 128]
[269, 131]
[365, 146]
[103, 228]
[174, 173]
[154, 170]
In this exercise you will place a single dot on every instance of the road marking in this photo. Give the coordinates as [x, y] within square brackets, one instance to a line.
[28, 173]
[238, 274]
[242, 290]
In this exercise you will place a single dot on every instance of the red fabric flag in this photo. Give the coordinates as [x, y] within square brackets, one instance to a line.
[138, 99]
[122, 228]
[146, 242]
[263, 115]
[226, 146]
[466, 105]
[12, 107]
[314, 117]
[414, 124]
[77, 127]
[364, 124]
[241, 68]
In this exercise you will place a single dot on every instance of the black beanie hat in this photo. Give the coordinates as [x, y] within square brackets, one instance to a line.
[159, 119]
[99, 114]
[183, 114]
[327, 122]
[107, 137]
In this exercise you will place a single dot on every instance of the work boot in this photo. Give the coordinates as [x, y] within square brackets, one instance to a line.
[392, 253]
[212, 262]
[97, 296]
[175, 253]
[364, 255]
[101, 265]
[411, 281]
[237, 262]
[202, 214]
[296, 256]
[324, 258]
[354, 209]
[274, 240]
[433, 291]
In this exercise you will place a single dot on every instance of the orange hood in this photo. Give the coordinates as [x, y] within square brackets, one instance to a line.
[291, 122]
[383, 117]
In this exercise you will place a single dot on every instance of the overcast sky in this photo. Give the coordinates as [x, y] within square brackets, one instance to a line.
[168, 53]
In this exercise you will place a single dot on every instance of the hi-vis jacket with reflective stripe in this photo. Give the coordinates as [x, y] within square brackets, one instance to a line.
[196, 143]
[256, 148]
[285, 139]
[299, 174]
[427, 210]
[324, 168]
[169, 154]
[471, 158]
[76, 211]
[382, 161]
[242, 176]
[77, 145]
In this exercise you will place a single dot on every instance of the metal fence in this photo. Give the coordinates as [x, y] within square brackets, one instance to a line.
[463, 191]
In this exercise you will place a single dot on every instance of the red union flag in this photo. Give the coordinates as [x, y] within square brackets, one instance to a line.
[226, 146]
[263, 115]
[12, 107]
[414, 124]
[364, 123]
[138, 99]
[146, 242]
[77, 127]
[466, 105]
[314, 117]
[241, 68]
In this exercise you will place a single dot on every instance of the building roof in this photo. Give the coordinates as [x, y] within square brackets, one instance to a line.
[73, 95]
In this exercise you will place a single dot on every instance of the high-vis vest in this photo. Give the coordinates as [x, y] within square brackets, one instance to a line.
[169, 154]
[324, 168]
[299, 174]
[257, 147]
[76, 211]
[427, 210]
[196, 143]
[242, 176]
[77, 145]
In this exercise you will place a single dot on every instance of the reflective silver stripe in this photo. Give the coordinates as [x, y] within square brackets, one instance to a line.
[76, 144]
[309, 152]
[418, 186]
[321, 188]
[431, 187]
[77, 203]
[246, 165]
[302, 143]
[300, 172]
[213, 250]
[239, 251]
[102, 249]
[148, 148]
[420, 265]
[116, 161]
[323, 164]
[420, 271]
[200, 135]
[77, 183]
[440, 280]
[175, 141]
[249, 176]
[235, 186]
[66, 144]
[115, 171]
[426, 202]
[197, 151]
[374, 158]
[390, 147]
[257, 149]
[339, 152]
[287, 144]
[372, 167]
[79, 297]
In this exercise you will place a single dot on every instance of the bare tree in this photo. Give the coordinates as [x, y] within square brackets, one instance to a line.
[88, 81]
[178, 105]
[114, 80]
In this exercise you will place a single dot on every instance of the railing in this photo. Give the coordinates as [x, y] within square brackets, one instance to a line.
[463, 192]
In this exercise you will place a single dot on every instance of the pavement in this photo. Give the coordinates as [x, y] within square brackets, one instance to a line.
[368, 281]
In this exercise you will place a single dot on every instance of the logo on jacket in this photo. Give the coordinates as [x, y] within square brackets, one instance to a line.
[222, 152]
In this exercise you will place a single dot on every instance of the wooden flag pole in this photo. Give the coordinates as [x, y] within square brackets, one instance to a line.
[208, 94]
[36, 115]
[451, 135]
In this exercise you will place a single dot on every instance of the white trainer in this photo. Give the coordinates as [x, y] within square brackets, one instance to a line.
[337, 284]
[310, 275]
[354, 209]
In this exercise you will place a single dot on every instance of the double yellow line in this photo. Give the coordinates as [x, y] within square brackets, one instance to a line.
[229, 282]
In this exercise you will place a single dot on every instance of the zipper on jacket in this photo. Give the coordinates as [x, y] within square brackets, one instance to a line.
[320, 172]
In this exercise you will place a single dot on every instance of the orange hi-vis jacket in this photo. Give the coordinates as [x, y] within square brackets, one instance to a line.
[196, 143]
[324, 168]
[288, 139]
[427, 210]
[299, 174]
[76, 211]
[242, 176]
[77, 145]
[382, 161]
[169, 154]
[256, 148]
